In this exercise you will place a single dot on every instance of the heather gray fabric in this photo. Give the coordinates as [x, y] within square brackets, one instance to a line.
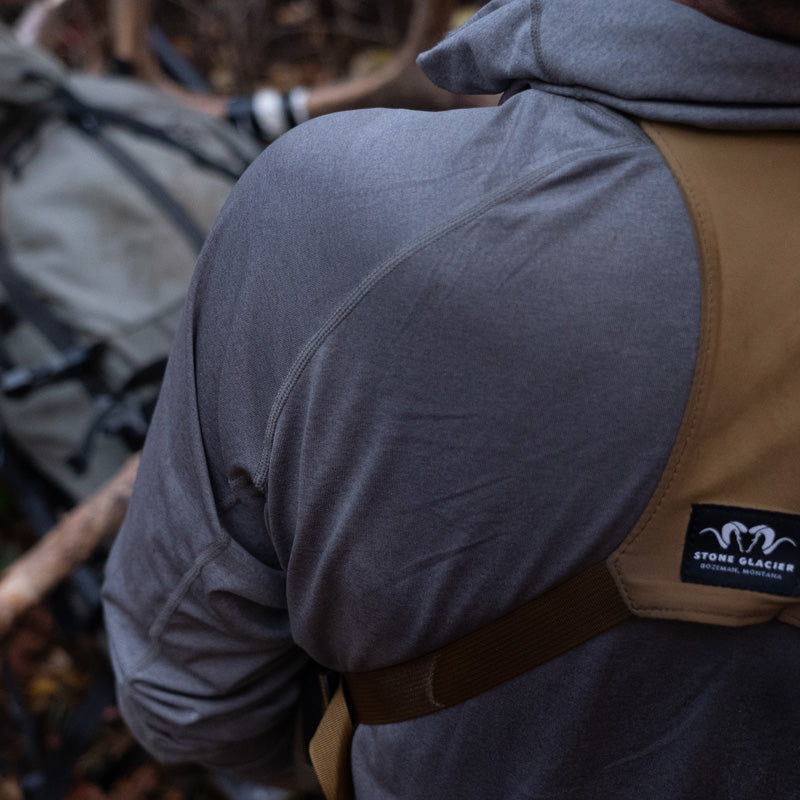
[431, 365]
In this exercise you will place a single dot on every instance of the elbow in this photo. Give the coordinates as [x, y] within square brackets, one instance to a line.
[178, 729]
[164, 730]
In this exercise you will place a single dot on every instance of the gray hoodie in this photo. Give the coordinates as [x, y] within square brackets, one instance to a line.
[431, 365]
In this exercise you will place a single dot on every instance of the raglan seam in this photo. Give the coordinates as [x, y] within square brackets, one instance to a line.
[354, 298]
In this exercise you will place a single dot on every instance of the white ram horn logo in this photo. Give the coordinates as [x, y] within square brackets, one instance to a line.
[762, 533]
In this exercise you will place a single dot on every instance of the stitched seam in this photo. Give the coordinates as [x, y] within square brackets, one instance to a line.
[174, 600]
[756, 616]
[367, 284]
[536, 40]
[430, 689]
[205, 558]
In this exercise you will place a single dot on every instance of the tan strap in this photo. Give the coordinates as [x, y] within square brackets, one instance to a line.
[330, 750]
[535, 633]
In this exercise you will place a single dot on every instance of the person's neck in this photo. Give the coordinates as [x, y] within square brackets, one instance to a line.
[775, 19]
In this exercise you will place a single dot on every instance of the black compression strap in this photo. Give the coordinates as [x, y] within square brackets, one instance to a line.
[122, 66]
[29, 306]
[77, 109]
[288, 110]
[174, 210]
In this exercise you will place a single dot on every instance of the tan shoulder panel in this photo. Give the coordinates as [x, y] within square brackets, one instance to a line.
[739, 443]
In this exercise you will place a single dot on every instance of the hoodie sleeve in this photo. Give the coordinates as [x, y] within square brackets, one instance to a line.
[198, 627]
[196, 585]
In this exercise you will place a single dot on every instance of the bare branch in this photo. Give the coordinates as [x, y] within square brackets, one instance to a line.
[398, 79]
[36, 573]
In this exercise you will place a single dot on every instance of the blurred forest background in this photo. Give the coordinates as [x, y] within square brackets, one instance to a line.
[238, 46]
[60, 734]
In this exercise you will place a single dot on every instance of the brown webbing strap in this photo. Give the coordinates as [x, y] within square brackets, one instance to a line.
[537, 632]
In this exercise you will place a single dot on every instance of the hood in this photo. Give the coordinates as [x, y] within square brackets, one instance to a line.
[655, 59]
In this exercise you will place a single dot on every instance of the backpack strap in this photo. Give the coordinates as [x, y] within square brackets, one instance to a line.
[84, 119]
[69, 105]
[537, 632]
[330, 749]
[72, 357]
[28, 304]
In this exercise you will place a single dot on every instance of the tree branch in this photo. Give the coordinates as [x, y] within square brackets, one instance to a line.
[66, 546]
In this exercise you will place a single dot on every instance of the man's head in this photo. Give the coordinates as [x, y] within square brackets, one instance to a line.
[777, 19]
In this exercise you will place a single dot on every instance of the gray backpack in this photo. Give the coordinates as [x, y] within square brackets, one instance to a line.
[107, 189]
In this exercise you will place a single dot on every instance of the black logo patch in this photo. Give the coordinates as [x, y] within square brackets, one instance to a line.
[743, 548]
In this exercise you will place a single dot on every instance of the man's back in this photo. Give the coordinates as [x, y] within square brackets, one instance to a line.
[432, 366]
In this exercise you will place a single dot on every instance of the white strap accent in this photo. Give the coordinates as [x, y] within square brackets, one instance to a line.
[269, 112]
[298, 100]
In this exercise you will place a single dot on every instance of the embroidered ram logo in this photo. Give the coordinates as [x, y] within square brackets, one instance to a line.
[747, 538]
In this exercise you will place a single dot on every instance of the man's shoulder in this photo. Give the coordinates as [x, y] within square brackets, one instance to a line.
[374, 166]
[352, 152]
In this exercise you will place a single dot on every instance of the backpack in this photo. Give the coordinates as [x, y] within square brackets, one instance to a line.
[107, 190]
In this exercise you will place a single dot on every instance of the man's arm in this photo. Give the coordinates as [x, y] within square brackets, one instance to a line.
[198, 626]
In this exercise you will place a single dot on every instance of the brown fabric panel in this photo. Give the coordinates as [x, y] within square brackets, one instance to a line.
[539, 631]
[330, 750]
[739, 443]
